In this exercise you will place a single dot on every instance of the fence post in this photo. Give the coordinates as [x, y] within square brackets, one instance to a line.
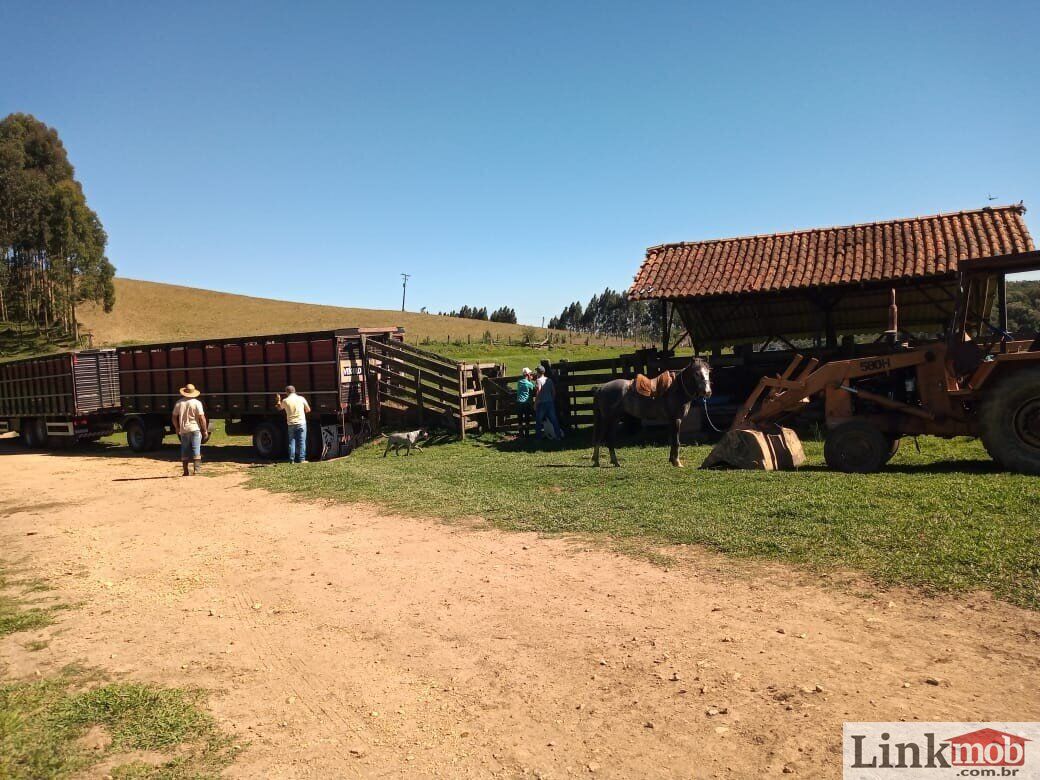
[462, 402]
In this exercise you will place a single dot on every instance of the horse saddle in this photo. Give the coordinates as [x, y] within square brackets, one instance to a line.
[653, 388]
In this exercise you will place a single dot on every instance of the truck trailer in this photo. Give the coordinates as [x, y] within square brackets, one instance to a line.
[239, 378]
[57, 400]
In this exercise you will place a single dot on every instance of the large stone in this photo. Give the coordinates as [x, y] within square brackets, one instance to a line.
[746, 448]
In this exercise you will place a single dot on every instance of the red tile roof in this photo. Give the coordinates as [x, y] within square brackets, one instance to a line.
[876, 251]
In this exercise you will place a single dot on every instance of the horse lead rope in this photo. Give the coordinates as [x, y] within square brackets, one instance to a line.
[708, 417]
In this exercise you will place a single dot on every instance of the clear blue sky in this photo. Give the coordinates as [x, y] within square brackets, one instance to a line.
[513, 153]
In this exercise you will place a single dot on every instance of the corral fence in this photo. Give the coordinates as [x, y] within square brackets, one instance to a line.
[413, 385]
[576, 382]
[424, 388]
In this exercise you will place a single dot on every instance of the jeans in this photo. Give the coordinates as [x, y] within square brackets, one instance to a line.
[191, 445]
[524, 413]
[543, 412]
[298, 443]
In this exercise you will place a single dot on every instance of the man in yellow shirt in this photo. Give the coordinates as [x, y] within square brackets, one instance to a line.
[296, 410]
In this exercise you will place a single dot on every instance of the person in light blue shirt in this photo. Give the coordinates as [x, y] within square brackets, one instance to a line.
[525, 390]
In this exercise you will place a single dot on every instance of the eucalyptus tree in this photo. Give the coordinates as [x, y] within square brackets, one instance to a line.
[52, 244]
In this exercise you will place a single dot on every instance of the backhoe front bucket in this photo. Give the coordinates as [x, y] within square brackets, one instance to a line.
[775, 449]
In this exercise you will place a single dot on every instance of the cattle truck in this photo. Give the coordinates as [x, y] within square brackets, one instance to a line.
[239, 378]
[56, 400]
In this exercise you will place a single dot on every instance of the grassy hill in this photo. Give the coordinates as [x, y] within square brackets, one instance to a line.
[149, 311]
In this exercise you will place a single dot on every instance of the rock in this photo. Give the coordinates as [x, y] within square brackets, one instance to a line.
[933, 680]
[788, 769]
[781, 631]
[906, 685]
[818, 688]
[648, 725]
[257, 605]
[674, 677]
[592, 766]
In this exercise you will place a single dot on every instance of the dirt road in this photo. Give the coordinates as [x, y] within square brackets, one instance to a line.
[343, 642]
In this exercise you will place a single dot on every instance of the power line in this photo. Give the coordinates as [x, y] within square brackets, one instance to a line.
[404, 288]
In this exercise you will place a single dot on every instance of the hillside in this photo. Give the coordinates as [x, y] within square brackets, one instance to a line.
[149, 311]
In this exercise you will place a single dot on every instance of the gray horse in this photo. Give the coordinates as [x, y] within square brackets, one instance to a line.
[619, 396]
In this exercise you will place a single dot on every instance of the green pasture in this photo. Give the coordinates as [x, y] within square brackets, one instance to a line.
[942, 519]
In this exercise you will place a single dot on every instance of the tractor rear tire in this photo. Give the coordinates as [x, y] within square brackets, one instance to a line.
[893, 448]
[269, 440]
[1009, 421]
[857, 447]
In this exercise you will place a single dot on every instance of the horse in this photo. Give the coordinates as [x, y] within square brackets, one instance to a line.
[619, 396]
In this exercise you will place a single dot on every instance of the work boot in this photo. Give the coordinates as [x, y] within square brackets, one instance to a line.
[196, 466]
[185, 464]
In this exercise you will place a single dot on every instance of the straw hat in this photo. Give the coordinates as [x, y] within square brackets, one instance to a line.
[189, 391]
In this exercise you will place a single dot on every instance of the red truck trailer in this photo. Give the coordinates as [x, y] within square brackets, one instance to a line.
[239, 377]
[56, 400]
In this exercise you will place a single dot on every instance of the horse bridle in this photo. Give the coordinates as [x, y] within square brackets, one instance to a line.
[682, 381]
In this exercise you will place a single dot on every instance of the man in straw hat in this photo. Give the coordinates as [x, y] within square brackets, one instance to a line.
[189, 422]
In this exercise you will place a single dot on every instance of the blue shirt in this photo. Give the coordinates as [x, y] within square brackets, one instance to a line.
[524, 388]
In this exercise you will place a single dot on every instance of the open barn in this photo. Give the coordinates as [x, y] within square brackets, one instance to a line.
[751, 302]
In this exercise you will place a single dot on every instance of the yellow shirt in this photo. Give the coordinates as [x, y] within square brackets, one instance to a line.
[294, 406]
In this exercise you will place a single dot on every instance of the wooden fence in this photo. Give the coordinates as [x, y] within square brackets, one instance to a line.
[429, 389]
[575, 383]
[433, 390]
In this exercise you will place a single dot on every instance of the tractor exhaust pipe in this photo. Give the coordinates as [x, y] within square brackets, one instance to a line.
[893, 318]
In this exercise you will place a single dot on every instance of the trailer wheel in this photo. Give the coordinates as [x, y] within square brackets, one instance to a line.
[154, 435]
[857, 447]
[34, 433]
[1009, 420]
[269, 440]
[137, 435]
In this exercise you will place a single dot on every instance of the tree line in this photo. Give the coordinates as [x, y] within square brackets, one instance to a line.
[504, 314]
[611, 313]
[1024, 307]
[52, 245]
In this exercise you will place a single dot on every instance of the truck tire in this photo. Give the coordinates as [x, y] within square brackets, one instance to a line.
[269, 440]
[136, 434]
[34, 433]
[155, 432]
[857, 447]
[1009, 421]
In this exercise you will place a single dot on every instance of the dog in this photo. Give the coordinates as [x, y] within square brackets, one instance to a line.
[409, 441]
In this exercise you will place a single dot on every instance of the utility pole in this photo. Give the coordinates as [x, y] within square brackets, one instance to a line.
[404, 288]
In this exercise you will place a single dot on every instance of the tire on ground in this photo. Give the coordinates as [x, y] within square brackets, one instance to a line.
[893, 447]
[154, 434]
[857, 447]
[136, 435]
[314, 444]
[269, 440]
[33, 433]
[1009, 420]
